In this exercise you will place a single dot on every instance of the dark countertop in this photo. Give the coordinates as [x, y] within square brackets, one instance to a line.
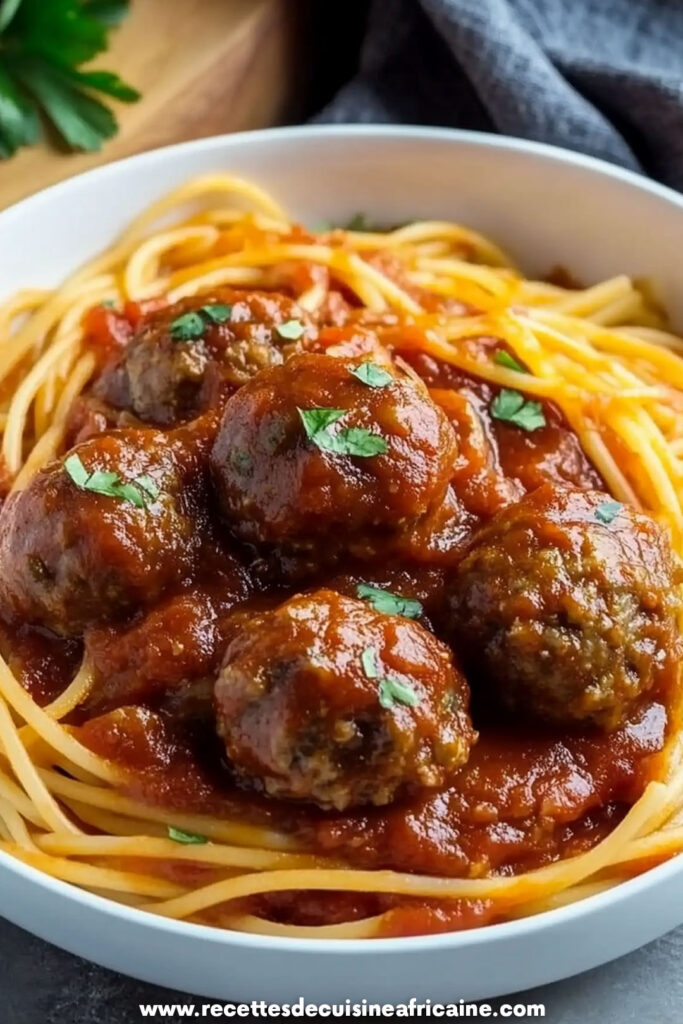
[42, 985]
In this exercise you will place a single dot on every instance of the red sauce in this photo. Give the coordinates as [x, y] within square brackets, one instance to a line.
[526, 797]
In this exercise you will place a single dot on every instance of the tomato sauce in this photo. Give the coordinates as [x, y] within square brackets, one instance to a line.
[527, 796]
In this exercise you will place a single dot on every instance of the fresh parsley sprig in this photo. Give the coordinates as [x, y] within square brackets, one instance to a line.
[387, 603]
[43, 44]
[139, 493]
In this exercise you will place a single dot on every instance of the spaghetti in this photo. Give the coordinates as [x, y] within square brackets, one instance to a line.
[603, 355]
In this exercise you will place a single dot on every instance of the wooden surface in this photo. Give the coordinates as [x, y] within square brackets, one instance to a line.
[203, 67]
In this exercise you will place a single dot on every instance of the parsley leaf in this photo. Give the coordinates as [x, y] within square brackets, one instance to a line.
[217, 314]
[504, 358]
[8, 8]
[42, 45]
[392, 690]
[369, 662]
[76, 470]
[147, 484]
[19, 125]
[357, 441]
[387, 603]
[608, 511]
[512, 407]
[109, 483]
[315, 421]
[189, 838]
[187, 327]
[372, 375]
[292, 330]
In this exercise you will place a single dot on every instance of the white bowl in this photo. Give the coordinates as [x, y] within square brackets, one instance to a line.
[547, 207]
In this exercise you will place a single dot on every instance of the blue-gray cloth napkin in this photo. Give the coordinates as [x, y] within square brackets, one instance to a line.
[601, 76]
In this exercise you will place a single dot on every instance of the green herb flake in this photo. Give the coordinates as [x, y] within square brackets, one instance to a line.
[358, 441]
[217, 314]
[369, 661]
[512, 407]
[387, 603]
[76, 470]
[372, 375]
[109, 484]
[187, 327]
[608, 511]
[316, 421]
[108, 304]
[188, 838]
[148, 485]
[503, 358]
[392, 691]
[292, 330]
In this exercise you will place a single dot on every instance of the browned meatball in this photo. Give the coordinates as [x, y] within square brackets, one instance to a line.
[308, 450]
[188, 356]
[76, 548]
[326, 700]
[567, 605]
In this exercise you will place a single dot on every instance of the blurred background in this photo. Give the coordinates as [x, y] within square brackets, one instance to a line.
[205, 67]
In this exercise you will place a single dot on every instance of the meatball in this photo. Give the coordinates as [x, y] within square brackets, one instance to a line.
[324, 699]
[308, 449]
[104, 530]
[188, 356]
[567, 603]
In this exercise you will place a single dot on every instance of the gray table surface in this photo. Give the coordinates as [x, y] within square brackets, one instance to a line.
[40, 984]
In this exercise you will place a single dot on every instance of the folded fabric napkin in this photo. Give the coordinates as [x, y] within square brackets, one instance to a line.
[601, 76]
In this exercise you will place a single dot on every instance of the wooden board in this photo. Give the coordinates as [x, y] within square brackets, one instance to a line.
[203, 66]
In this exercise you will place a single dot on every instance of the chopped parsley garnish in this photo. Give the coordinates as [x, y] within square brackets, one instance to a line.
[292, 330]
[392, 691]
[513, 407]
[387, 603]
[148, 485]
[108, 304]
[187, 327]
[358, 441]
[139, 493]
[218, 313]
[608, 511]
[372, 375]
[189, 838]
[504, 358]
[316, 421]
[369, 660]
[191, 326]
